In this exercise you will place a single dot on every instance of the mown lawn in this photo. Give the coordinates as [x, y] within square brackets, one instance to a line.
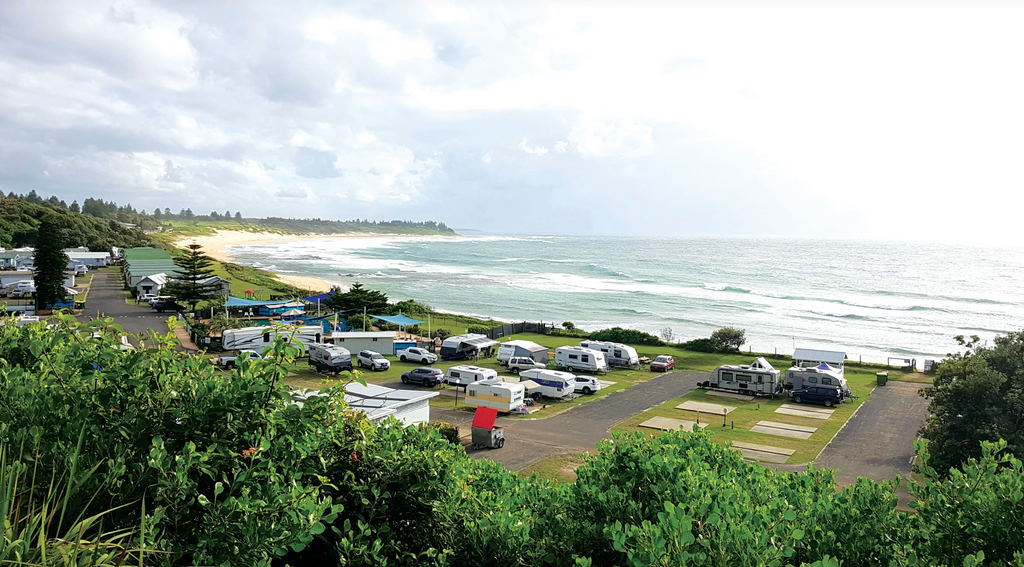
[559, 468]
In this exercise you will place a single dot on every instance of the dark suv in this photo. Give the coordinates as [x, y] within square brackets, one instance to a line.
[424, 376]
[818, 395]
[167, 305]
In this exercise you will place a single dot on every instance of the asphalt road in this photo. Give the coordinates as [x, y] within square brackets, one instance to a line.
[106, 298]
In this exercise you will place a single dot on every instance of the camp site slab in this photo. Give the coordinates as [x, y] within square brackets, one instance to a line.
[732, 395]
[669, 424]
[804, 411]
[784, 429]
[765, 453]
[704, 407]
[606, 383]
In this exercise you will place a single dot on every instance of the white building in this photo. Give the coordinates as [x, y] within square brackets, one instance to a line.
[408, 406]
[355, 341]
[150, 284]
[91, 259]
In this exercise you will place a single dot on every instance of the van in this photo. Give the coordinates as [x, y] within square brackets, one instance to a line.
[551, 383]
[493, 393]
[617, 355]
[573, 358]
[329, 358]
[464, 374]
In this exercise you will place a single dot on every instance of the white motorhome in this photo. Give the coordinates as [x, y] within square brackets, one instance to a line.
[258, 337]
[463, 375]
[617, 354]
[756, 379]
[573, 358]
[551, 383]
[329, 358]
[530, 349]
[493, 393]
[822, 375]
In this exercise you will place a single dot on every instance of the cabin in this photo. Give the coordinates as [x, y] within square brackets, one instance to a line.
[407, 406]
[382, 342]
[151, 284]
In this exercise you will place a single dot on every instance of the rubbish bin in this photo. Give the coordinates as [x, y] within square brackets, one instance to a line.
[882, 378]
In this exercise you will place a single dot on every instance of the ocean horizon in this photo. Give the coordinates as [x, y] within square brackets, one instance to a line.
[872, 299]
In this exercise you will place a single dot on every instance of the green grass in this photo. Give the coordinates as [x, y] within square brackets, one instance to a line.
[558, 468]
[747, 414]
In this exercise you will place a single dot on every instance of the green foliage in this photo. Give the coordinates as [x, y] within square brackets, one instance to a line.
[261, 279]
[220, 322]
[977, 396]
[359, 322]
[187, 286]
[478, 329]
[628, 336]
[568, 325]
[702, 345]
[729, 338]
[50, 262]
[20, 220]
[448, 431]
[358, 298]
[576, 333]
[441, 334]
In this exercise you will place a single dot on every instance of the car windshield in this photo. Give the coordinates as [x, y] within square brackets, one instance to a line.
[661, 359]
[377, 357]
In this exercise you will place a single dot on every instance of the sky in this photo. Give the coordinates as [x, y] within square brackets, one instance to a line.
[817, 119]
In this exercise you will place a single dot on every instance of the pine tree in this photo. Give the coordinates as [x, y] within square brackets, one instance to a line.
[187, 286]
[75, 208]
[50, 262]
[238, 215]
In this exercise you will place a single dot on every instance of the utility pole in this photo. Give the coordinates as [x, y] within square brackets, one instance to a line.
[364, 318]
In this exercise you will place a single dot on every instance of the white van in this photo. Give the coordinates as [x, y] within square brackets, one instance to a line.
[492, 393]
[573, 358]
[329, 358]
[552, 383]
[463, 375]
[617, 354]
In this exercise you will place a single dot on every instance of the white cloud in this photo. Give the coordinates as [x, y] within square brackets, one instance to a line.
[594, 137]
[533, 150]
[561, 146]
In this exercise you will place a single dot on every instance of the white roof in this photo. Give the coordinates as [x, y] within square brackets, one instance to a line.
[158, 279]
[528, 345]
[363, 335]
[74, 255]
[472, 339]
[379, 402]
[830, 356]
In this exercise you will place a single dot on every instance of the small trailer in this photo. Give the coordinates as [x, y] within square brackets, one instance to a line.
[820, 376]
[485, 434]
[758, 378]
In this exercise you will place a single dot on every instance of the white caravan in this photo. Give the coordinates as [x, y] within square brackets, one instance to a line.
[573, 358]
[329, 358]
[756, 379]
[551, 383]
[463, 375]
[493, 393]
[822, 375]
[617, 354]
[258, 337]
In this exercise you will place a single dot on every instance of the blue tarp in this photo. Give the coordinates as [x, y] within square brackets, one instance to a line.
[318, 298]
[400, 320]
[239, 302]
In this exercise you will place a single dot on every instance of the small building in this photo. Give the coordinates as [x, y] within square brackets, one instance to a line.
[91, 259]
[810, 358]
[151, 284]
[224, 285]
[9, 258]
[407, 406]
[355, 341]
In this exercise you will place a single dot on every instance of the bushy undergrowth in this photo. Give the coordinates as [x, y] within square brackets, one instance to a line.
[628, 336]
[203, 467]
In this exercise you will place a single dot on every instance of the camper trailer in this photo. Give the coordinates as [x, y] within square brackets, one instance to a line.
[755, 379]
[551, 383]
[573, 358]
[822, 375]
[493, 393]
[258, 337]
[464, 374]
[462, 347]
[329, 358]
[528, 349]
[617, 355]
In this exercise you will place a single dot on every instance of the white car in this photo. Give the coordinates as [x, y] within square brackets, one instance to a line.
[416, 354]
[372, 360]
[587, 384]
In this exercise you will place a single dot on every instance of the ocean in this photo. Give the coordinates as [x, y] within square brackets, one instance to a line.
[871, 299]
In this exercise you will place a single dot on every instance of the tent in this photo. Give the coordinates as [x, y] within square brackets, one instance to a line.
[291, 313]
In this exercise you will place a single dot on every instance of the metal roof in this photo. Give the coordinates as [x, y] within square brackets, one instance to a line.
[810, 354]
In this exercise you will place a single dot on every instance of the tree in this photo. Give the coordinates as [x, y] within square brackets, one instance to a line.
[977, 395]
[50, 262]
[667, 334]
[358, 322]
[730, 338]
[568, 325]
[188, 286]
[238, 215]
[358, 298]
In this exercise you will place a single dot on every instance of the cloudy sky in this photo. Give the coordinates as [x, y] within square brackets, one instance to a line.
[669, 118]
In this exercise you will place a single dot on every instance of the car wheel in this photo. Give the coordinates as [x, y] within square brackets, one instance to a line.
[501, 442]
[587, 390]
[405, 380]
[797, 399]
[570, 369]
[402, 358]
[515, 371]
[828, 403]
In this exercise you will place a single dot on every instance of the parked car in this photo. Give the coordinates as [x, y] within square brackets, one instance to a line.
[167, 306]
[517, 364]
[229, 360]
[663, 363]
[424, 376]
[587, 384]
[416, 354]
[147, 298]
[153, 298]
[372, 360]
[818, 395]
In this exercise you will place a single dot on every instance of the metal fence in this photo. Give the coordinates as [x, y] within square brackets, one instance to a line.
[540, 328]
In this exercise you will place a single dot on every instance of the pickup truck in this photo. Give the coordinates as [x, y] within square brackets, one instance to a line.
[228, 360]
[416, 354]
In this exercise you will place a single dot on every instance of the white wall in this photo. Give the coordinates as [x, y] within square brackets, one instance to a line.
[418, 412]
[383, 345]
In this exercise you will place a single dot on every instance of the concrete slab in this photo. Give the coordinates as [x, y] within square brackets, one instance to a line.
[784, 429]
[704, 407]
[669, 424]
[732, 395]
[804, 411]
[765, 453]
[606, 383]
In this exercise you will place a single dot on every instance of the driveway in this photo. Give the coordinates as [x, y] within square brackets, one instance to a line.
[106, 298]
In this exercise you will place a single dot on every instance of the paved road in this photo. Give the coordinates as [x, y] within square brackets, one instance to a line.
[106, 297]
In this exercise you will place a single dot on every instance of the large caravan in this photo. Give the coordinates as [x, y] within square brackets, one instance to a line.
[755, 379]
[461, 347]
[616, 354]
[463, 375]
[573, 358]
[258, 337]
[823, 375]
[493, 393]
[551, 383]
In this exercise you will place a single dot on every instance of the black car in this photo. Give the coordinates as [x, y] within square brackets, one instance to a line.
[162, 306]
[424, 376]
[818, 395]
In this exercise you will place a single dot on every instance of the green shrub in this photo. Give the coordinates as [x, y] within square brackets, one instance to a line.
[575, 333]
[628, 336]
[730, 338]
[702, 345]
[478, 329]
[448, 431]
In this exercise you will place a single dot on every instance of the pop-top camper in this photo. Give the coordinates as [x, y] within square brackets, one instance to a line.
[617, 354]
[461, 347]
[528, 349]
[550, 383]
[258, 337]
[493, 393]
[573, 358]
[821, 375]
[755, 379]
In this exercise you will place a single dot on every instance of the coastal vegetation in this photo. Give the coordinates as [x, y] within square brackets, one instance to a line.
[21, 216]
[186, 465]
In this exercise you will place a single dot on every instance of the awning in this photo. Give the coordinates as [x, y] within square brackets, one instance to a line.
[529, 385]
[239, 302]
[400, 320]
[318, 298]
[292, 312]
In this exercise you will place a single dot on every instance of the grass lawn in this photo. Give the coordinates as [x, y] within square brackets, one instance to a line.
[747, 414]
[559, 468]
